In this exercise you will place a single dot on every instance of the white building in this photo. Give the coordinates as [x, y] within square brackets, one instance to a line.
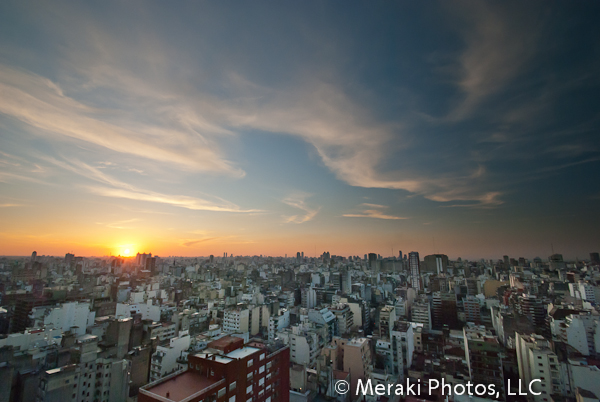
[403, 345]
[148, 310]
[305, 341]
[164, 360]
[536, 361]
[75, 316]
[584, 291]
[278, 323]
[580, 331]
[28, 338]
[345, 317]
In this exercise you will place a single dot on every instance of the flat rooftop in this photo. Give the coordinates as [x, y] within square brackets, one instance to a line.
[243, 352]
[181, 386]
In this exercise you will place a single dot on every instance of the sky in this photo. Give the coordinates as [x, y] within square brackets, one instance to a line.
[192, 128]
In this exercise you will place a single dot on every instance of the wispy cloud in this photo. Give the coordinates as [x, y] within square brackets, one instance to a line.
[42, 104]
[190, 243]
[373, 213]
[120, 189]
[487, 200]
[498, 46]
[299, 201]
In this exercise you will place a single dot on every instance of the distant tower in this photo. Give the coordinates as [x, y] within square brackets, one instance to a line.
[400, 254]
[595, 258]
[372, 260]
[414, 266]
[33, 256]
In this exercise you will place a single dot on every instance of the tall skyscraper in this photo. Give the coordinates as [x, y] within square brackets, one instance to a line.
[414, 267]
[372, 260]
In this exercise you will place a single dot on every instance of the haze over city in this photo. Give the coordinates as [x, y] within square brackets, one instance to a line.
[468, 128]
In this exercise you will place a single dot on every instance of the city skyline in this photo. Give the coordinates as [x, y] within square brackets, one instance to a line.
[468, 129]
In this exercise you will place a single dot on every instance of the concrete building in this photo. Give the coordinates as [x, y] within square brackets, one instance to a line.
[344, 316]
[584, 291]
[164, 360]
[91, 378]
[236, 320]
[484, 355]
[421, 312]
[435, 263]
[75, 317]
[444, 310]
[278, 323]
[325, 318]
[472, 309]
[308, 298]
[581, 331]
[537, 361]
[414, 268]
[357, 361]
[403, 345]
[387, 318]
[227, 370]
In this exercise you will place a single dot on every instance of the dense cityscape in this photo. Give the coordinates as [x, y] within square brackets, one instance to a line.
[264, 328]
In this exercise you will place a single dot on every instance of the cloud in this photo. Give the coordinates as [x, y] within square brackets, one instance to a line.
[191, 243]
[175, 114]
[373, 213]
[8, 205]
[487, 200]
[499, 44]
[42, 104]
[299, 201]
[120, 189]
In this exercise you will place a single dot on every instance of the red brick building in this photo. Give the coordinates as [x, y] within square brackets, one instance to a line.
[227, 371]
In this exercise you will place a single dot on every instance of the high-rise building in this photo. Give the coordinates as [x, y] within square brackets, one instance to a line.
[228, 370]
[414, 266]
[372, 260]
[435, 263]
[151, 264]
[536, 360]
[484, 356]
[472, 309]
[595, 258]
[387, 318]
[445, 310]
[69, 258]
[421, 312]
